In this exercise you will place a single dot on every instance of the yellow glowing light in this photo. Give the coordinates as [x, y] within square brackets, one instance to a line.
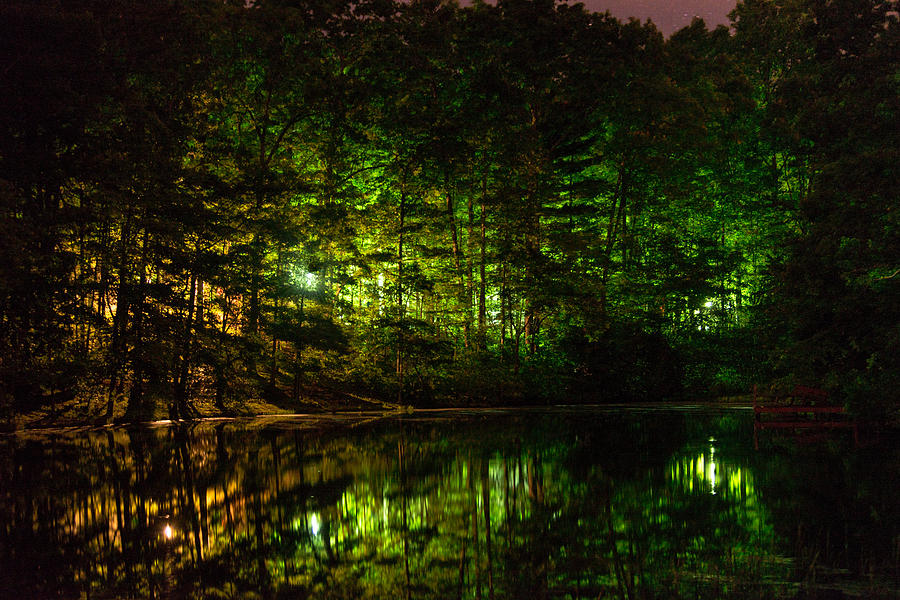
[167, 532]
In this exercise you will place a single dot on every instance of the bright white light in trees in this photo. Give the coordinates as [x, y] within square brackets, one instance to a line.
[303, 278]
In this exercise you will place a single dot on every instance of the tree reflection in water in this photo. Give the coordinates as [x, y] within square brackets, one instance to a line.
[573, 504]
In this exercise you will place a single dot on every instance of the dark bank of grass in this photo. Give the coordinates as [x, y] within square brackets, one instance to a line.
[75, 413]
[80, 413]
[322, 401]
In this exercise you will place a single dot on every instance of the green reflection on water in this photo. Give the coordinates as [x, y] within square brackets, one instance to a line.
[564, 505]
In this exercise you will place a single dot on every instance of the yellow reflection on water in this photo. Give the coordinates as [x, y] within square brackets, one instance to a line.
[706, 472]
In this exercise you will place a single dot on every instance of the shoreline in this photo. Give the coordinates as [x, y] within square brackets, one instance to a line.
[37, 427]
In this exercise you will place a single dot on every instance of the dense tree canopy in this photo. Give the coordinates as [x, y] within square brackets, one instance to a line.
[207, 203]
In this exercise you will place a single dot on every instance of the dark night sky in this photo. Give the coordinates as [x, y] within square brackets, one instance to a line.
[668, 15]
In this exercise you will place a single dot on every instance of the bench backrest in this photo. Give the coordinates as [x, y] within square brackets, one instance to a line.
[802, 392]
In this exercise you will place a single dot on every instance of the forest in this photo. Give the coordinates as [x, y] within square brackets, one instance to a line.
[211, 206]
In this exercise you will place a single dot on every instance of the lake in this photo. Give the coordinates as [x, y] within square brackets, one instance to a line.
[482, 504]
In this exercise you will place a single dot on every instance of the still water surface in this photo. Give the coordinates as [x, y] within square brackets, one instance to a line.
[563, 503]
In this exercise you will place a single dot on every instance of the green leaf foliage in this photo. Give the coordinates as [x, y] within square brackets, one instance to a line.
[213, 204]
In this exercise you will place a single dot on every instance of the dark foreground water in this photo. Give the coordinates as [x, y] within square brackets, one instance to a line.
[523, 504]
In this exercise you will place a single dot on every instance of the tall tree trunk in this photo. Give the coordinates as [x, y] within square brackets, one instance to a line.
[463, 295]
[253, 315]
[504, 305]
[482, 279]
[400, 311]
[118, 344]
[136, 409]
[180, 402]
[298, 357]
[470, 270]
[532, 253]
[611, 235]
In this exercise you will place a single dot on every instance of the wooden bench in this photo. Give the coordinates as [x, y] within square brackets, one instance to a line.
[802, 402]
